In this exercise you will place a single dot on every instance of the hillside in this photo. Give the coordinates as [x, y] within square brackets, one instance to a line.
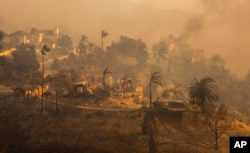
[24, 129]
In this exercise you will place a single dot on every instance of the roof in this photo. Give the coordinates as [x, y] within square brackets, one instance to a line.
[46, 32]
[18, 34]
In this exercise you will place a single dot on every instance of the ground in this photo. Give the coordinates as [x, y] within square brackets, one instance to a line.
[103, 126]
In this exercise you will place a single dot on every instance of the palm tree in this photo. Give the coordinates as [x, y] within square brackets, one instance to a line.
[154, 78]
[203, 91]
[160, 51]
[171, 61]
[103, 34]
[105, 72]
[44, 50]
[125, 84]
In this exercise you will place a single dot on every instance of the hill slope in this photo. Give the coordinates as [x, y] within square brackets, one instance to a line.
[24, 129]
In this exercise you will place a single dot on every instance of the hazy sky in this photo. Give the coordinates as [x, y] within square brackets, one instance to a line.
[216, 26]
[191, 5]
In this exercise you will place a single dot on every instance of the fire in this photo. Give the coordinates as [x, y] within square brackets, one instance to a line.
[7, 52]
[171, 46]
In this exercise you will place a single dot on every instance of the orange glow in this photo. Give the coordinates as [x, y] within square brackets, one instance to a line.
[7, 52]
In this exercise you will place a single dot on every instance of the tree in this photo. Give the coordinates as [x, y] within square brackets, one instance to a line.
[217, 61]
[25, 64]
[44, 50]
[82, 47]
[127, 48]
[218, 122]
[125, 84]
[57, 83]
[203, 91]
[1, 38]
[171, 63]
[156, 79]
[160, 51]
[25, 58]
[103, 34]
[1, 35]
[105, 72]
[55, 65]
[64, 41]
[94, 55]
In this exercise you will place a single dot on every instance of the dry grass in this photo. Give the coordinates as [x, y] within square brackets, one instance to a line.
[24, 129]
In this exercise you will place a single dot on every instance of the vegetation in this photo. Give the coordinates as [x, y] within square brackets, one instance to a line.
[103, 35]
[82, 48]
[126, 47]
[125, 57]
[24, 129]
[64, 42]
[44, 50]
[1, 38]
[55, 66]
[218, 121]
[24, 59]
[203, 91]
[160, 51]
[154, 79]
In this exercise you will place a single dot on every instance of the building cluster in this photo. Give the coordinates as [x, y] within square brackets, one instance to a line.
[35, 37]
[88, 83]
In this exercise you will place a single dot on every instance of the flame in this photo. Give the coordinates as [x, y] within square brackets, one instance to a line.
[171, 46]
[7, 52]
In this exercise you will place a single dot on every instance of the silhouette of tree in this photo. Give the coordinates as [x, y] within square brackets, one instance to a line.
[44, 50]
[203, 91]
[1, 38]
[156, 79]
[94, 55]
[160, 51]
[25, 58]
[218, 121]
[57, 82]
[127, 47]
[55, 65]
[82, 47]
[217, 61]
[103, 34]
[64, 41]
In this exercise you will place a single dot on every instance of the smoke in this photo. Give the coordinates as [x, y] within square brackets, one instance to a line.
[192, 28]
[218, 26]
[222, 27]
